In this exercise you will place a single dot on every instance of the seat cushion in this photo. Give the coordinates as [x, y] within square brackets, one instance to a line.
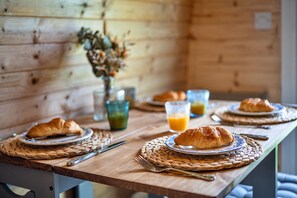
[286, 188]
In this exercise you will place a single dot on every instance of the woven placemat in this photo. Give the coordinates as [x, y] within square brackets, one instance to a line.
[157, 153]
[144, 106]
[287, 115]
[13, 147]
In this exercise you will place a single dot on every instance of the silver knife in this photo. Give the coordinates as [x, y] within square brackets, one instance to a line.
[257, 137]
[94, 153]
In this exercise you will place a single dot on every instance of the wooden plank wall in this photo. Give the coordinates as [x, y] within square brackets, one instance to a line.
[227, 54]
[44, 72]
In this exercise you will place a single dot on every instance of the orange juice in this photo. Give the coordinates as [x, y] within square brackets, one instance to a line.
[178, 122]
[198, 108]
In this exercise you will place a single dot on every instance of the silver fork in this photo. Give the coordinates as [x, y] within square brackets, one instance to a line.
[149, 166]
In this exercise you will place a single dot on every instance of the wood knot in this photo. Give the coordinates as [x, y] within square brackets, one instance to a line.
[45, 97]
[36, 36]
[220, 58]
[6, 10]
[235, 4]
[70, 74]
[3, 67]
[34, 81]
[67, 97]
[85, 5]
[35, 56]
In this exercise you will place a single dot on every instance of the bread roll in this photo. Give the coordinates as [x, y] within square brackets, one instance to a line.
[57, 126]
[170, 96]
[205, 137]
[255, 105]
[181, 95]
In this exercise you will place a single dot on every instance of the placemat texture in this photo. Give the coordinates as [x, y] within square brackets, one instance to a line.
[157, 153]
[13, 147]
[144, 106]
[288, 115]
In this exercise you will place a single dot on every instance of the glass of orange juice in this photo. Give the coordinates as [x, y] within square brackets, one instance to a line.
[178, 115]
[199, 101]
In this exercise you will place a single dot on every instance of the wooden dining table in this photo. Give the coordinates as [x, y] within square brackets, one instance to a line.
[117, 167]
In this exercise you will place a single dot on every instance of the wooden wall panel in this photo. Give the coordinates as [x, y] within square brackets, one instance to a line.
[227, 54]
[45, 73]
[53, 8]
[28, 30]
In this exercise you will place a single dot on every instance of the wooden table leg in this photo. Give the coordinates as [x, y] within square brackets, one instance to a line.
[264, 177]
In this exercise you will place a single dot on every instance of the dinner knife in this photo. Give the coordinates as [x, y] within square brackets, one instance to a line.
[94, 153]
[254, 136]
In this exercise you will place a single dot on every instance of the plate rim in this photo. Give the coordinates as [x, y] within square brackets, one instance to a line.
[234, 110]
[155, 103]
[88, 133]
[206, 151]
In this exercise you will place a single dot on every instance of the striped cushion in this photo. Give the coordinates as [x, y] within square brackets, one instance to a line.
[286, 188]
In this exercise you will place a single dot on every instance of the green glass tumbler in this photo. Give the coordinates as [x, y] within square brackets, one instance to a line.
[118, 114]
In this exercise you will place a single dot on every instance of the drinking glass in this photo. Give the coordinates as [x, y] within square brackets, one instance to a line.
[199, 101]
[178, 115]
[117, 113]
[99, 102]
[130, 95]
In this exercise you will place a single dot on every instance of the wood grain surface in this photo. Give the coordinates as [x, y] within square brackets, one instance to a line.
[44, 72]
[118, 167]
[228, 54]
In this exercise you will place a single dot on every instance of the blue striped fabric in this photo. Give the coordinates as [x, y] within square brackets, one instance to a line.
[286, 188]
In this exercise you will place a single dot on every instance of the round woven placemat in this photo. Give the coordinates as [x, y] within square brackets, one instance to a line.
[13, 147]
[144, 106]
[288, 115]
[157, 153]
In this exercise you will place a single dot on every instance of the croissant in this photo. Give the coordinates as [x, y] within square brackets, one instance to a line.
[56, 126]
[255, 105]
[206, 137]
[170, 96]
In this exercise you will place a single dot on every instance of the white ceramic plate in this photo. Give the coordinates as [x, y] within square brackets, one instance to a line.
[155, 103]
[58, 140]
[238, 143]
[278, 108]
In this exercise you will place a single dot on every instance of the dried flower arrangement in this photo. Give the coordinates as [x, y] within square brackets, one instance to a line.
[105, 54]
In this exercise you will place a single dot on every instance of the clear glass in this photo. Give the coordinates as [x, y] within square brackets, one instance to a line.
[199, 101]
[100, 113]
[99, 105]
[130, 95]
[178, 115]
[118, 114]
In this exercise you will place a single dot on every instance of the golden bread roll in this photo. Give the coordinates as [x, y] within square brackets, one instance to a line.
[255, 105]
[181, 95]
[56, 126]
[170, 96]
[206, 137]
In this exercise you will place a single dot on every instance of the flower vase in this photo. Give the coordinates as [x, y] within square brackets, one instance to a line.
[100, 98]
[108, 83]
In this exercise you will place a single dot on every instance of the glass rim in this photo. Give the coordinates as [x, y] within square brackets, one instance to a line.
[198, 90]
[178, 102]
[117, 101]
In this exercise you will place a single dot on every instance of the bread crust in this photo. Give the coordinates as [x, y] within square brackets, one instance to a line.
[56, 126]
[206, 137]
[255, 105]
[170, 96]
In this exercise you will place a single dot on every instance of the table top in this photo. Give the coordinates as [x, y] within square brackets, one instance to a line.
[117, 167]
